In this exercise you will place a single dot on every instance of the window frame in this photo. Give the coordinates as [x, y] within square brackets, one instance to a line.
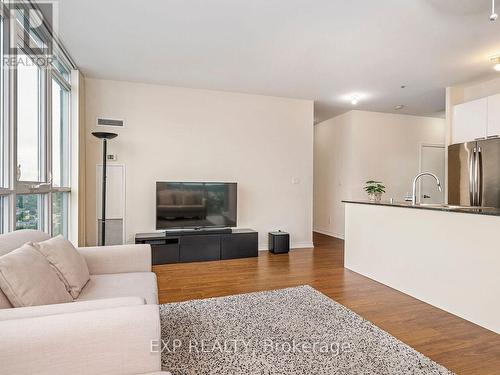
[7, 193]
[65, 85]
[10, 186]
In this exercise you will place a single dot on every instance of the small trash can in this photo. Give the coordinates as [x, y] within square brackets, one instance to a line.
[279, 242]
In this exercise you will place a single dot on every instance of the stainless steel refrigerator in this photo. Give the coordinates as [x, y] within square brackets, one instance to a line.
[474, 173]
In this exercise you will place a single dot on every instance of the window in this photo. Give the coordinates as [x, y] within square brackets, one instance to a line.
[60, 214]
[3, 119]
[60, 147]
[60, 135]
[29, 212]
[3, 214]
[61, 68]
[34, 141]
[24, 19]
[30, 134]
[5, 193]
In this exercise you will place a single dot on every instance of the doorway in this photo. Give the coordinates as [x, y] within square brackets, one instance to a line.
[432, 159]
[115, 204]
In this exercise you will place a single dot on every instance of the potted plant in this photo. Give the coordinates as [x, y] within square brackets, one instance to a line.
[375, 189]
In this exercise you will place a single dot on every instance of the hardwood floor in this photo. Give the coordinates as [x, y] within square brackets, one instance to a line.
[461, 346]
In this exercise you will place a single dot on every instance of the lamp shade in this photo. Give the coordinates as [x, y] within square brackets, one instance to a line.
[104, 135]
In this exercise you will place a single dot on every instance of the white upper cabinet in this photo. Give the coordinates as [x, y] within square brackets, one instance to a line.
[470, 121]
[494, 116]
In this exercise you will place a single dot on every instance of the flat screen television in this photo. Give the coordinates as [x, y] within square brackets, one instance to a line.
[195, 205]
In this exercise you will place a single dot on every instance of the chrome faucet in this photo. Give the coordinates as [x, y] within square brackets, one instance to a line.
[415, 180]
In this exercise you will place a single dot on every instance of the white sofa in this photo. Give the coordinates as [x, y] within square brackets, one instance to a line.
[107, 330]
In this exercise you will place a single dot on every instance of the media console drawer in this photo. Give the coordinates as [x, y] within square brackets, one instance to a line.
[241, 245]
[199, 248]
[166, 252]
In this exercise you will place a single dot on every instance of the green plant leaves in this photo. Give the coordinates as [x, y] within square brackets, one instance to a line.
[373, 186]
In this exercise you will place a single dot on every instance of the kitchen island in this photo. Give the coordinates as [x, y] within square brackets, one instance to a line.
[447, 256]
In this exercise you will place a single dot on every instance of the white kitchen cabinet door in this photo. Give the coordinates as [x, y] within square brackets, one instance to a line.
[470, 121]
[494, 116]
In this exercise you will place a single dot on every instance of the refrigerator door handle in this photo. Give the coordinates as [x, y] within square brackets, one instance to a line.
[478, 177]
[472, 163]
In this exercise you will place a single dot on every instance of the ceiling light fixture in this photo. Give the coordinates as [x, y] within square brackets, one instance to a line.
[496, 61]
[494, 15]
[399, 107]
[355, 97]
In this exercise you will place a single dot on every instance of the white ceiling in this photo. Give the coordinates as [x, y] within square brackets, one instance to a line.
[312, 49]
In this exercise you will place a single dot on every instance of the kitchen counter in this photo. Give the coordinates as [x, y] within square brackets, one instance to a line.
[450, 261]
[492, 211]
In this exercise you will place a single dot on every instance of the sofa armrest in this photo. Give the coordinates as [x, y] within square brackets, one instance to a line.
[116, 341]
[117, 259]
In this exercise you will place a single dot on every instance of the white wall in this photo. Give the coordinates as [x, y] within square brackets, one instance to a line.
[358, 146]
[332, 164]
[481, 89]
[177, 134]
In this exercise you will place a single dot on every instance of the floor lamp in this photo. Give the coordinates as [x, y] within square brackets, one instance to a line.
[104, 136]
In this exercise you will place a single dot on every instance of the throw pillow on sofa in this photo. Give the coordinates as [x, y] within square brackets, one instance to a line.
[27, 279]
[67, 262]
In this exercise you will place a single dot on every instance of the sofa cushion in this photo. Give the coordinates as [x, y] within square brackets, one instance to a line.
[114, 341]
[138, 284]
[167, 197]
[117, 259]
[14, 240]
[4, 301]
[27, 279]
[67, 262]
[67, 308]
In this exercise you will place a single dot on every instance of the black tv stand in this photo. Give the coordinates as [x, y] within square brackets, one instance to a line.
[204, 244]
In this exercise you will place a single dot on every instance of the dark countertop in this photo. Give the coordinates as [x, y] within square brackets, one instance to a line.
[491, 211]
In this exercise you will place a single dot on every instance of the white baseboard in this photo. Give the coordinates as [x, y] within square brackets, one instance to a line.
[302, 245]
[331, 234]
[293, 245]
